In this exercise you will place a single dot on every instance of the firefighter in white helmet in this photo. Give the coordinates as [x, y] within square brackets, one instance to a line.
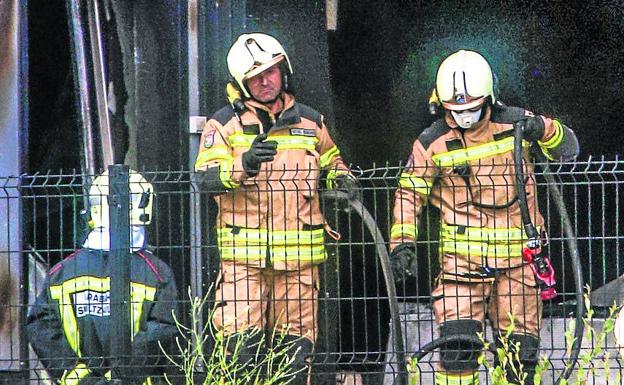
[69, 326]
[463, 164]
[263, 157]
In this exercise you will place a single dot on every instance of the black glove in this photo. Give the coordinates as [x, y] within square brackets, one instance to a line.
[259, 152]
[533, 129]
[349, 184]
[401, 259]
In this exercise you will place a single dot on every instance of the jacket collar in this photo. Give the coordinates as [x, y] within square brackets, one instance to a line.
[290, 112]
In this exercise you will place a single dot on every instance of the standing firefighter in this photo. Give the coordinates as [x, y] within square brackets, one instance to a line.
[263, 157]
[463, 164]
[70, 328]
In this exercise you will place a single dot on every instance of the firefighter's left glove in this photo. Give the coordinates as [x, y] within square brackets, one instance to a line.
[350, 185]
[261, 151]
[533, 129]
[401, 259]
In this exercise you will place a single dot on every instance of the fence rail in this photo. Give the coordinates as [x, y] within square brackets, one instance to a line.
[355, 332]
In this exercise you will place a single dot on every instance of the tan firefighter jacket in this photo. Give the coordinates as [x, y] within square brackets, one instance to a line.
[273, 219]
[469, 175]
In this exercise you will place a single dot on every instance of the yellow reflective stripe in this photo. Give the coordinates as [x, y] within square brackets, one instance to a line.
[139, 293]
[148, 381]
[442, 378]
[481, 249]
[419, 185]
[263, 237]
[242, 253]
[286, 245]
[74, 376]
[553, 142]
[556, 139]
[287, 142]
[403, 231]
[464, 155]
[284, 142]
[214, 153]
[327, 157]
[491, 235]
[205, 156]
[225, 174]
[330, 179]
[304, 253]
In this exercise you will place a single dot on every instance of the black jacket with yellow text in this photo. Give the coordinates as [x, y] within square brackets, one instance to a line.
[69, 326]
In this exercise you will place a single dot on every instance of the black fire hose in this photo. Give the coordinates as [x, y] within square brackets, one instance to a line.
[446, 340]
[571, 241]
[384, 260]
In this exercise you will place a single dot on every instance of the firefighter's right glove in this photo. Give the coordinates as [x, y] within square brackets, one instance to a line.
[350, 185]
[401, 259]
[533, 129]
[260, 151]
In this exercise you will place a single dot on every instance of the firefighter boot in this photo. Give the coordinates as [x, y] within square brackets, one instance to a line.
[301, 348]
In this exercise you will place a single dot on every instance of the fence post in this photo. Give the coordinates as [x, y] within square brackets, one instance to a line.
[120, 255]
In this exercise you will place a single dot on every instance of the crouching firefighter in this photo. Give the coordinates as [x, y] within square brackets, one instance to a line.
[463, 165]
[70, 326]
[262, 156]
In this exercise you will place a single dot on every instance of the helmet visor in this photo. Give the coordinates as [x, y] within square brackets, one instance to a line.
[260, 67]
[464, 104]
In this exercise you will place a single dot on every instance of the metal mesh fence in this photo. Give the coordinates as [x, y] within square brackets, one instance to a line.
[342, 304]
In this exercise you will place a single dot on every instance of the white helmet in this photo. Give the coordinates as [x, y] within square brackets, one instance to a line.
[141, 194]
[464, 80]
[253, 53]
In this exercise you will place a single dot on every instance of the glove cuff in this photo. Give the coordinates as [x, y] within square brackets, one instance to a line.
[409, 246]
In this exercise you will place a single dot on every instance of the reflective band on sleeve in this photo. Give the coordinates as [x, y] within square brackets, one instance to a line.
[225, 174]
[328, 156]
[212, 154]
[284, 245]
[462, 156]
[284, 142]
[74, 376]
[419, 185]
[553, 142]
[404, 231]
[332, 174]
[442, 378]
[556, 139]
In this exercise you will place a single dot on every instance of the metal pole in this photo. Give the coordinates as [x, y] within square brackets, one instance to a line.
[81, 81]
[120, 260]
[195, 127]
[97, 55]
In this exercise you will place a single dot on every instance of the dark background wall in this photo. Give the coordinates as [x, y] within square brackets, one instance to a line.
[559, 58]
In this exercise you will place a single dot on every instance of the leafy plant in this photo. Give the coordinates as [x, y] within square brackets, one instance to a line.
[590, 361]
[509, 360]
[271, 362]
